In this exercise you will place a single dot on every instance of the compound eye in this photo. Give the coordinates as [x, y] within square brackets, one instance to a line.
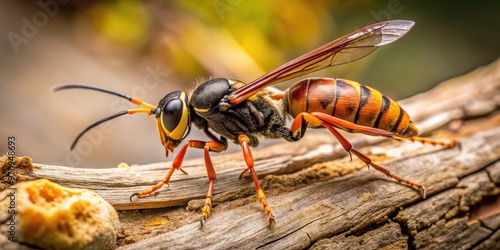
[175, 118]
[171, 114]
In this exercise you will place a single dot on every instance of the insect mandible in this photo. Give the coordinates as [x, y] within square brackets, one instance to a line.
[227, 109]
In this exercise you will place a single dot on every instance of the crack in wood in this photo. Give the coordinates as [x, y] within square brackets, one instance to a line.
[290, 233]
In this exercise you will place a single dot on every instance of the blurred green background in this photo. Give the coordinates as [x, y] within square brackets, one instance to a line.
[149, 48]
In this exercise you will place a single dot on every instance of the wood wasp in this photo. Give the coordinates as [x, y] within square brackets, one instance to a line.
[227, 109]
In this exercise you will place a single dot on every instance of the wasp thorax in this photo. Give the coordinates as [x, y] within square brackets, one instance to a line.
[208, 94]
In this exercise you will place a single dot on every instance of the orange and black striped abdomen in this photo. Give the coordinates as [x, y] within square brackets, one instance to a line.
[350, 101]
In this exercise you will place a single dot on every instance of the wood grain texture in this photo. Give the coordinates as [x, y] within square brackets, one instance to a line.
[339, 207]
[319, 197]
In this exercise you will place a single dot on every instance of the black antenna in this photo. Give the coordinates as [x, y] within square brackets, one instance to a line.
[83, 86]
[105, 119]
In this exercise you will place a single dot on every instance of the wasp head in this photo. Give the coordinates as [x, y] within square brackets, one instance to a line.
[173, 118]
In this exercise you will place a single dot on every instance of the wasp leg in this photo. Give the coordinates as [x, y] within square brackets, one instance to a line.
[444, 144]
[247, 154]
[379, 132]
[320, 119]
[210, 146]
[176, 165]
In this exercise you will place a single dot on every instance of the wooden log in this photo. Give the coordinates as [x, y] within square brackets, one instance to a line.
[320, 198]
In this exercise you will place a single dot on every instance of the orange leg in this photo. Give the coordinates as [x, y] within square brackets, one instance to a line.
[327, 121]
[176, 165]
[247, 154]
[444, 144]
[379, 132]
[219, 147]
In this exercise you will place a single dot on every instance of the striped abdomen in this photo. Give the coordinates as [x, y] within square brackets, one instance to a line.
[350, 101]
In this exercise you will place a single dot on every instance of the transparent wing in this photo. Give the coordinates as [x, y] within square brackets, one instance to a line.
[348, 48]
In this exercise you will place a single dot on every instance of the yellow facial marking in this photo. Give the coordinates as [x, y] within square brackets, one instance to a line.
[183, 124]
[201, 110]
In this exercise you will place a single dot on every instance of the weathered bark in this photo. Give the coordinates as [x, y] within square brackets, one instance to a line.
[319, 197]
